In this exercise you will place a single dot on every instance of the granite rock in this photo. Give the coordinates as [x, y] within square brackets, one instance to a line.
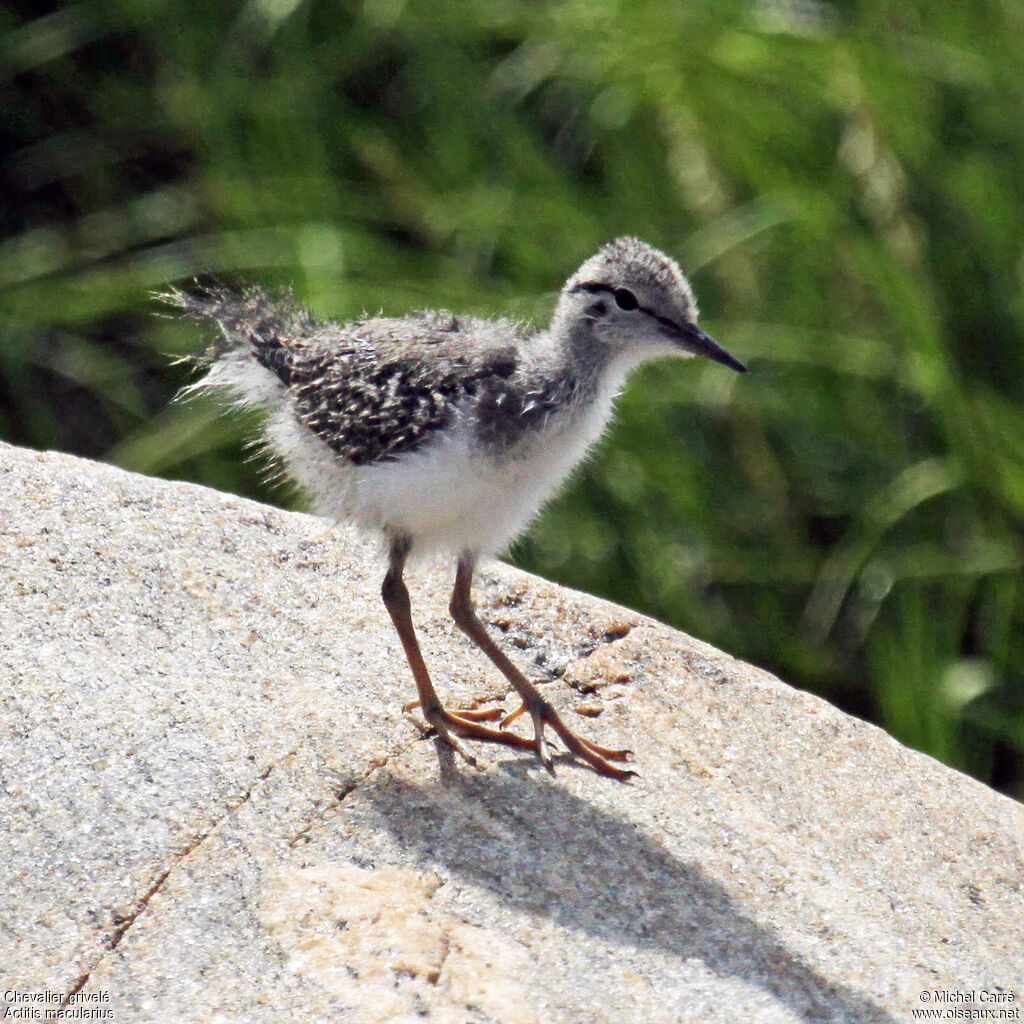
[213, 808]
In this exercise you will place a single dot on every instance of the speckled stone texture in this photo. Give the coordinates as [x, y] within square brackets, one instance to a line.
[213, 809]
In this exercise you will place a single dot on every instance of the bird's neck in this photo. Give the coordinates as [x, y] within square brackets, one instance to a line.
[572, 349]
[569, 349]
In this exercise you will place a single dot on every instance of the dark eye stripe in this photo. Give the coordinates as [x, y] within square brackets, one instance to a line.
[594, 287]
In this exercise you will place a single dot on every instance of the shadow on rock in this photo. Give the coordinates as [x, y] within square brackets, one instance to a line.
[545, 852]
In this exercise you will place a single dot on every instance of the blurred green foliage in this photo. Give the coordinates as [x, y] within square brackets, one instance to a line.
[842, 181]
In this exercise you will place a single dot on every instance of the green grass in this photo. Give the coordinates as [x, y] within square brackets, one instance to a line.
[841, 181]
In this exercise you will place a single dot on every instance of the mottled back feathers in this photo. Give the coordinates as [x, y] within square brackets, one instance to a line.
[370, 390]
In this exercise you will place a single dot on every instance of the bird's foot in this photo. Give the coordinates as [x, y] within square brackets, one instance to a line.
[454, 726]
[597, 757]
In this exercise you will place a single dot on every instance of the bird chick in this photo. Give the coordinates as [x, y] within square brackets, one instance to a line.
[447, 433]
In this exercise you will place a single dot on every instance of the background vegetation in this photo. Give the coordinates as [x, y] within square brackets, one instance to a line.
[842, 180]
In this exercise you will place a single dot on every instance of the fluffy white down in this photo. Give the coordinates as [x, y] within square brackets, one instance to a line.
[450, 496]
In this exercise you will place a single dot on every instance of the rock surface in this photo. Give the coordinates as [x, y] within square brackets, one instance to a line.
[213, 809]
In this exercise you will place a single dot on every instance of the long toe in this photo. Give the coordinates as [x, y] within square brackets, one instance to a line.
[448, 722]
[479, 714]
[442, 730]
[600, 764]
[512, 716]
[467, 714]
[606, 752]
[539, 743]
[599, 758]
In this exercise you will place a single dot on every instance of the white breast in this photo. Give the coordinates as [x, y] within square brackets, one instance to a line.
[452, 496]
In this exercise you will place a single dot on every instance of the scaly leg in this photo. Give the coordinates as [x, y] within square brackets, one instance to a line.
[449, 726]
[541, 712]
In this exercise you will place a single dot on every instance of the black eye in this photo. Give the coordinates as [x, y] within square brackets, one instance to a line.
[625, 299]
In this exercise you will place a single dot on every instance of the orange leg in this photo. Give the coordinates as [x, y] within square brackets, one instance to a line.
[541, 712]
[450, 726]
